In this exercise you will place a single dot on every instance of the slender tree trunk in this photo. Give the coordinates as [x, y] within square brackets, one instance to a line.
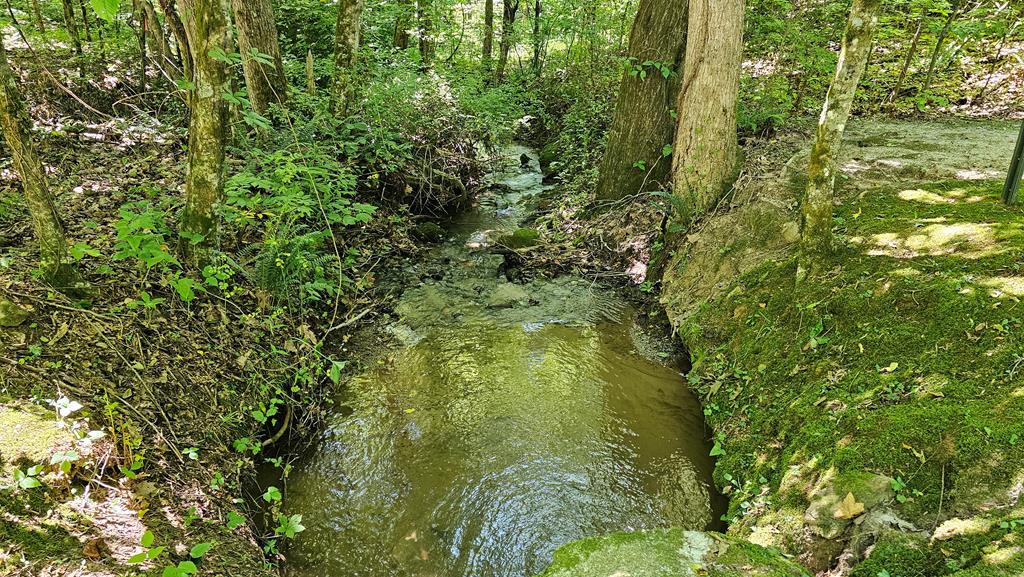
[17, 129]
[72, 26]
[816, 205]
[907, 60]
[37, 14]
[177, 28]
[257, 32]
[143, 24]
[488, 56]
[85, 20]
[426, 31]
[538, 40]
[310, 76]
[954, 9]
[635, 159]
[346, 49]
[705, 149]
[159, 46]
[207, 32]
[508, 23]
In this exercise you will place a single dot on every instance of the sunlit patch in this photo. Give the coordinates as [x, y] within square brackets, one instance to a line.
[973, 174]
[943, 197]
[905, 272]
[969, 240]
[1001, 286]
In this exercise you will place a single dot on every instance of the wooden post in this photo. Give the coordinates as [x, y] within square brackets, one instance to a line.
[1016, 170]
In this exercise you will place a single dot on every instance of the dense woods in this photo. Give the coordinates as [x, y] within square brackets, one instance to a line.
[209, 211]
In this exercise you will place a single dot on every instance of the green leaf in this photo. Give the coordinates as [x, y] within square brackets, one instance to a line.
[187, 567]
[155, 552]
[235, 520]
[147, 539]
[666, 151]
[717, 450]
[200, 550]
[106, 9]
[272, 494]
[137, 558]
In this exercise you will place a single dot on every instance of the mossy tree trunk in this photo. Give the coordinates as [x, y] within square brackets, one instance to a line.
[257, 32]
[346, 50]
[177, 27]
[816, 204]
[425, 19]
[401, 35]
[85, 20]
[37, 15]
[72, 25]
[705, 149]
[207, 32]
[53, 249]
[508, 24]
[643, 123]
[488, 43]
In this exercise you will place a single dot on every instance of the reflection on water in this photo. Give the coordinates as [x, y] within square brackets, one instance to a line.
[494, 439]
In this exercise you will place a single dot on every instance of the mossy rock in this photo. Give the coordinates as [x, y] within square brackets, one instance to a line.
[28, 435]
[11, 315]
[548, 155]
[667, 553]
[428, 232]
[521, 238]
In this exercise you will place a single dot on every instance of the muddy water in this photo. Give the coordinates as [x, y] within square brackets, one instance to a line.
[516, 418]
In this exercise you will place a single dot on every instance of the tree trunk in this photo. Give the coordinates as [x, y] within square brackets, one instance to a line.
[643, 126]
[508, 23]
[53, 249]
[72, 26]
[346, 49]
[158, 44]
[85, 20]
[816, 205]
[257, 32]
[177, 28]
[954, 9]
[207, 31]
[37, 14]
[426, 30]
[705, 148]
[142, 21]
[401, 36]
[906, 61]
[538, 40]
[488, 56]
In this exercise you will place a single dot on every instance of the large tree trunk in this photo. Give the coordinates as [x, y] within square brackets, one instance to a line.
[401, 35]
[142, 20]
[72, 25]
[816, 205]
[508, 23]
[206, 28]
[53, 249]
[346, 49]
[488, 56]
[705, 148]
[635, 159]
[265, 83]
[425, 17]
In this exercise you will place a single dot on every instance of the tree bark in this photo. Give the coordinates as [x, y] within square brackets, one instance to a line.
[17, 129]
[72, 26]
[85, 20]
[37, 14]
[538, 40]
[207, 32]
[705, 149]
[142, 20]
[508, 23]
[177, 28]
[159, 46]
[346, 49]
[265, 83]
[488, 55]
[816, 204]
[642, 126]
[401, 35]
[907, 60]
[426, 31]
[954, 9]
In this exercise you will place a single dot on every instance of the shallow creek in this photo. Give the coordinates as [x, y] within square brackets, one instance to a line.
[515, 418]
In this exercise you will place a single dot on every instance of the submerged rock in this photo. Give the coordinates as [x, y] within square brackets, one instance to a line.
[667, 553]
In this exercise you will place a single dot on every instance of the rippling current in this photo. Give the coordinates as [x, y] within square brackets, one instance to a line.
[512, 422]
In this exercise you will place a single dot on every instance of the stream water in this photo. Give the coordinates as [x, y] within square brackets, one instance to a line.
[515, 418]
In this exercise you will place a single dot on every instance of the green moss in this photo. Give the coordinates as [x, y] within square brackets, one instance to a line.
[901, 555]
[905, 359]
[29, 435]
[521, 238]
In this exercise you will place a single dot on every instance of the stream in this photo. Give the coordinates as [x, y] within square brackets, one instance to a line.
[513, 419]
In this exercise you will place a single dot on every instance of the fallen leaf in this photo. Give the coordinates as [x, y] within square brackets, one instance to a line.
[848, 508]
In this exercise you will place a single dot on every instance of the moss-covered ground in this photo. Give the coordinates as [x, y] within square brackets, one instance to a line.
[905, 359]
